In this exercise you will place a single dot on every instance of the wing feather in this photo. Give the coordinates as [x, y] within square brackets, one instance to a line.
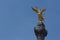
[35, 9]
[43, 10]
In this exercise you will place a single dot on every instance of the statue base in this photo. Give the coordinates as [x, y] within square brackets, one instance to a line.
[40, 31]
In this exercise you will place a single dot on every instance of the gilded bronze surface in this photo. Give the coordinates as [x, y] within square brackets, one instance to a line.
[40, 13]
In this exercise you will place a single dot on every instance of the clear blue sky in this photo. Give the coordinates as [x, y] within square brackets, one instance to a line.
[17, 19]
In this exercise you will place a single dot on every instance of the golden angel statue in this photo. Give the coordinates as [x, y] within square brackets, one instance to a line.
[39, 12]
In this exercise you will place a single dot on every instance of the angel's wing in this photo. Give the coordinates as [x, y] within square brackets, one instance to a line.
[35, 9]
[43, 10]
